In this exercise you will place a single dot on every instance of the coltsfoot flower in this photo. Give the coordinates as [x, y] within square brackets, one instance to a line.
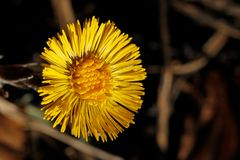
[91, 80]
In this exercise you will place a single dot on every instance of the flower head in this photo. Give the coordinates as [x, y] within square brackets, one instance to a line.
[91, 80]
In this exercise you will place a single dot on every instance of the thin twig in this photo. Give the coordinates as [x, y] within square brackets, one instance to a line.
[164, 32]
[163, 101]
[215, 43]
[11, 111]
[228, 7]
[190, 67]
[78, 145]
[164, 109]
[204, 18]
[64, 12]
[211, 48]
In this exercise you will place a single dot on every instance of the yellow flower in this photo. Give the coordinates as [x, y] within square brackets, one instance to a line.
[91, 80]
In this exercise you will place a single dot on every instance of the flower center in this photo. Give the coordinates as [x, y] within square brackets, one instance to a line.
[90, 78]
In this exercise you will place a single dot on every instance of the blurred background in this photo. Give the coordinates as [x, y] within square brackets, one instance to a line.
[190, 49]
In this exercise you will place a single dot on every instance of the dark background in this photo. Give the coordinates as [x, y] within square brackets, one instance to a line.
[26, 25]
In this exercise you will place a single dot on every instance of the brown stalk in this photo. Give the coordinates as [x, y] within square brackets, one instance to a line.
[63, 11]
[164, 109]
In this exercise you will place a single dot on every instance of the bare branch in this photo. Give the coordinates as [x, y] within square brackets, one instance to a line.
[11, 111]
[164, 32]
[73, 142]
[164, 109]
[205, 19]
[190, 67]
[64, 12]
[215, 44]
[228, 7]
